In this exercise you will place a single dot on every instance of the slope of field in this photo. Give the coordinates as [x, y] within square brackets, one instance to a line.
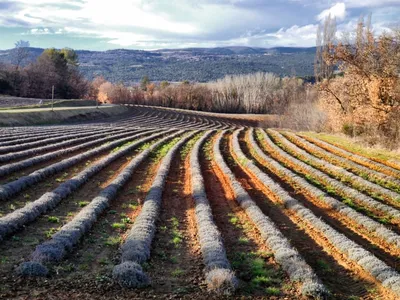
[45, 115]
[169, 203]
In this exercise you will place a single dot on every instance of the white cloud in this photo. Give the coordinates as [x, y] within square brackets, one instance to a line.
[40, 31]
[153, 24]
[295, 36]
[338, 11]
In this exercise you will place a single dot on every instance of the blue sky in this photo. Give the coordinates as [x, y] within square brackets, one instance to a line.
[156, 24]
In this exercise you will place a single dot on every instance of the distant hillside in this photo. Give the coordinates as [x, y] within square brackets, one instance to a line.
[194, 64]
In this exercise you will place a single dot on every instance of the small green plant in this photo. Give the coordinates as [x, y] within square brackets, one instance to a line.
[324, 265]
[272, 291]
[113, 241]
[243, 240]
[3, 260]
[83, 203]
[133, 206]
[104, 261]
[50, 232]
[261, 280]
[121, 147]
[118, 225]
[62, 178]
[177, 272]
[177, 236]
[16, 238]
[126, 220]
[53, 219]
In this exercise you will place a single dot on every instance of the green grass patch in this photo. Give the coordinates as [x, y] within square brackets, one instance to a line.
[53, 219]
[83, 203]
[353, 145]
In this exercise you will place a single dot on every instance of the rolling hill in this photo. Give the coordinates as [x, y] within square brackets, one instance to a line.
[194, 64]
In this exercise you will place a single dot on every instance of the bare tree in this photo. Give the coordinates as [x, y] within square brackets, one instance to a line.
[20, 53]
[326, 34]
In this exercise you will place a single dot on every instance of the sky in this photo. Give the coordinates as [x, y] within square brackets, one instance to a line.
[158, 24]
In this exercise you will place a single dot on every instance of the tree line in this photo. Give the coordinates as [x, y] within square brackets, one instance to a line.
[251, 93]
[58, 68]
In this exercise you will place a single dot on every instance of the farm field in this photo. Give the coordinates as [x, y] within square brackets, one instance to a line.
[166, 203]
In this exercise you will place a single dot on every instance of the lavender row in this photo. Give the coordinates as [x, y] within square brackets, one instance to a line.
[380, 167]
[45, 136]
[68, 236]
[10, 189]
[384, 274]
[342, 189]
[219, 275]
[288, 257]
[372, 175]
[34, 151]
[137, 246]
[20, 217]
[14, 148]
[371, 226]
[13, 167]
[335, 171]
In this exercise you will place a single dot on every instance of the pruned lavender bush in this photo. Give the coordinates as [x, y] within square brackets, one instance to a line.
[383, 273]
[211, 244]
[10, 189]
[354, 180]
[20, 217]
[353, 156]
[375, 176]
[137, 245]
[33, 269]
[339, 187]
[130, 275]
[288, 257]
[373, 227]
[23, 164]
[69, 235]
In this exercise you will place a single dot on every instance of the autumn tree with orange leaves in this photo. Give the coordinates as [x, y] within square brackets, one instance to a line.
[364, 99]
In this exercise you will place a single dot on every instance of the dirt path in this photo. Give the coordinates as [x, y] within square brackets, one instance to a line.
[175, 267]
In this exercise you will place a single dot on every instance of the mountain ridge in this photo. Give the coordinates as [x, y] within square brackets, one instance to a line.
[193, 64]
